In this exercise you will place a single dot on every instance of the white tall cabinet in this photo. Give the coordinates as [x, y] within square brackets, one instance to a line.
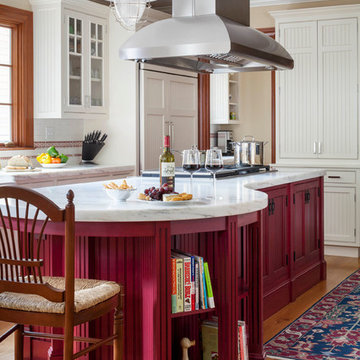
[317, 120]
[70, 59]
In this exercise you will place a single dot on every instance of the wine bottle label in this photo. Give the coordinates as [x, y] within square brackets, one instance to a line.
[168, 174]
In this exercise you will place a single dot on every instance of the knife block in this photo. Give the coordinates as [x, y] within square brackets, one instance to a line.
[89, 151]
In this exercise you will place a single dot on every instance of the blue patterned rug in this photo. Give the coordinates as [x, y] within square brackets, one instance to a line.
[329, 330]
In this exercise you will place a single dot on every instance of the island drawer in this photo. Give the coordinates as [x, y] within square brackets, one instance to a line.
[341, 177]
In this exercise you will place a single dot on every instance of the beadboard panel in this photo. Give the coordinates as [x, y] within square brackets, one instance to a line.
[338, 115]
[298, 92]
[47, 59]
[339, 215]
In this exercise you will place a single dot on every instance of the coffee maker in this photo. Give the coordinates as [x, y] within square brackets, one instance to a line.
[224, 140]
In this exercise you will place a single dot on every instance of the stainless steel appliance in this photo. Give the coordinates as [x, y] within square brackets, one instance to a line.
[207, 36]
[228, 171]
[224, 138]
[249, 153]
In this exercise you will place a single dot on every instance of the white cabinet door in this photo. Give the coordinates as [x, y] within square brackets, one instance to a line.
[153, 115]
[74, 58]
[338, 78]
[96, 69]
[166, 98]
[339, 215]
[183, 113]
[297, 103]
[219, 99]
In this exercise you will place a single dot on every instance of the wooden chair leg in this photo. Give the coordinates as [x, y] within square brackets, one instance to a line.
[68, 343]
[119, 329]
[19, 343]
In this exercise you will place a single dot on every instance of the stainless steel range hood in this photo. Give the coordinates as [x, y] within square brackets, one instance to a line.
[207, 36]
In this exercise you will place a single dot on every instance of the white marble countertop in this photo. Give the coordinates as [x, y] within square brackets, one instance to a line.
[40, 174]
[234, 196]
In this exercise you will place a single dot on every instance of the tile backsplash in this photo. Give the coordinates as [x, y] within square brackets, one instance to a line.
[66, 135]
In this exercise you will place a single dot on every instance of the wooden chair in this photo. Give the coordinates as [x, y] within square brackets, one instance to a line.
[29, 298]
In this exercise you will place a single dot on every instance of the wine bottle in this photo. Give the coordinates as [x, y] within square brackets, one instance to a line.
[167, 165]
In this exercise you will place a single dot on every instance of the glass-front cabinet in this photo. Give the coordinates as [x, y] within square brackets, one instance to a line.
[96, 64]
[85, 57]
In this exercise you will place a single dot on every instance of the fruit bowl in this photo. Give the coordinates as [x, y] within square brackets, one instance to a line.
[119, 194]
[53, 166]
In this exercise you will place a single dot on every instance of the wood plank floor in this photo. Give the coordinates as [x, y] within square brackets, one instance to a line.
[337, 270]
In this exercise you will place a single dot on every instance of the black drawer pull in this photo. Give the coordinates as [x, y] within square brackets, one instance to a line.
[334, 177]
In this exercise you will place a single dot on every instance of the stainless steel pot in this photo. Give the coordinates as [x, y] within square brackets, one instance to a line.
[249, 153]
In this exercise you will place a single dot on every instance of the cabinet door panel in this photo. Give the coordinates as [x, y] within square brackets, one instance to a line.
[337, 64]
[153, 114]
[312, 223]
[306, 225]
[97, 69]
[297, 104]
[276, 240]
[340, 215]
[166, 98]
[278, 237]
[75, 46]
[298, 232]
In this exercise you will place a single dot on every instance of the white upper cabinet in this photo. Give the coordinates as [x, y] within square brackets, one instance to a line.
[317, 101]
[338, 79]
[297, 101]
[70, 59]
[224, 99]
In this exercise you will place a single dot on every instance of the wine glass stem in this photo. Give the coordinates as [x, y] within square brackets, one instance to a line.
[191, 183]
[214, 184]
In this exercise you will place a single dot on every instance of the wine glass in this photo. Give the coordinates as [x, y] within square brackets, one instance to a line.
[191, 163]
[214, 163]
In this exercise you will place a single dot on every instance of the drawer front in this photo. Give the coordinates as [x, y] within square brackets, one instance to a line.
[341, 177]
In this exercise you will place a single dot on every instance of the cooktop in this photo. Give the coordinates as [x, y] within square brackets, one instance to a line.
[227, 171]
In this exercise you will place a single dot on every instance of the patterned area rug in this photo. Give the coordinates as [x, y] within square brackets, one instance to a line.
[328, 330]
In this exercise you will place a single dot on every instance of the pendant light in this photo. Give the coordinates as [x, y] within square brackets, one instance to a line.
[130, 13]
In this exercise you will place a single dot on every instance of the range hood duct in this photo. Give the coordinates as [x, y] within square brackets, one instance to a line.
[207, 36]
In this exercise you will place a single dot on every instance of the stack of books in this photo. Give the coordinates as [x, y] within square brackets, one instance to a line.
[209, 331]
[191, 287]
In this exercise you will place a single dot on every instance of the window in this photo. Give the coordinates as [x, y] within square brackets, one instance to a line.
[16, 77]
[5, 85]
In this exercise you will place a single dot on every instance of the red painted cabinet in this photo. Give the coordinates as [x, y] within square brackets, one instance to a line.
[293, 242]
[306, 234]
[276, 251]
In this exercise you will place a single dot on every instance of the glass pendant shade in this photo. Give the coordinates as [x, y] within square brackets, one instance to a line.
[129, 12]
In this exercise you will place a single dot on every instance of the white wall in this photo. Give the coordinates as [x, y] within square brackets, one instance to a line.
[22, 4]
[121, 126]
[255, 109]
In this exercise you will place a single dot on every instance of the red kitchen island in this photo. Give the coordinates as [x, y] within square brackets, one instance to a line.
[131, 243]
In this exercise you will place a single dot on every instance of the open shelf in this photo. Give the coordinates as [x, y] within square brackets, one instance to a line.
[190, 313]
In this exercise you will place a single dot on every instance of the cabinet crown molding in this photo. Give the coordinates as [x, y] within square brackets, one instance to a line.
[317, 13]
[76, 5]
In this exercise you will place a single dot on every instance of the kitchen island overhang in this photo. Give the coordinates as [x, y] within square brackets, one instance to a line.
[132, 243]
